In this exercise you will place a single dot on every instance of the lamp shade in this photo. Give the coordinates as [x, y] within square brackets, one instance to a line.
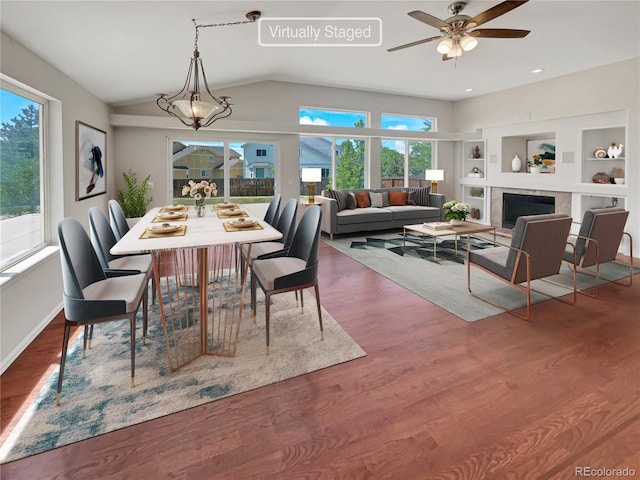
[311, 175]
[195, 108]
[468, 43]
[445, 46]
[434, 175]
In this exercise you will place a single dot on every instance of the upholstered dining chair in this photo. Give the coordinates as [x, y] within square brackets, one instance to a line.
[598, 241]
[103, 239]
[272, 210]
[295, 270]
[286, 225]
[536, 251]
[117, 219]
[92, 297]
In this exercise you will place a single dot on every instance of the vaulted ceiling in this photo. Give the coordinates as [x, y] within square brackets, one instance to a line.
[127, 51]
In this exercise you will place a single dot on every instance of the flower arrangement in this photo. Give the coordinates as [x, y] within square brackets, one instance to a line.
[455, 210]
[535, 161]
[200, 190]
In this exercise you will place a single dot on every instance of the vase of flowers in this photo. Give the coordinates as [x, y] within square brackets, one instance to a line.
[456, 212]
[535, 164]
[199, 191]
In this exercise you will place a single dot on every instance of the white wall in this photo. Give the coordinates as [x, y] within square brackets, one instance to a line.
[565, 105]
[32, 296]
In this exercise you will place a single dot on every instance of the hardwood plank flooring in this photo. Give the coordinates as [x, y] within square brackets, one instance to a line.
[435, 398]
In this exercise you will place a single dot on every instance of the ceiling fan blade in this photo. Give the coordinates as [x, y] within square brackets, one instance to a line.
[429, 20]
[494, 12]
[413, 44]
[499, 33]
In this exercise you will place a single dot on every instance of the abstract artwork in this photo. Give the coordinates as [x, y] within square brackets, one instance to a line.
[91, 161]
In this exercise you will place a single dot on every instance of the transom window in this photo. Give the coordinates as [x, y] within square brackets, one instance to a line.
[333, 118]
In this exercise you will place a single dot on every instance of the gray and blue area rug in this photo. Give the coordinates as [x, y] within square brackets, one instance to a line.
[97, 397]
[444, 282]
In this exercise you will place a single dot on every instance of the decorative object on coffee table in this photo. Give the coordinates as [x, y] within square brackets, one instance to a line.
[456, 212]
[199, 191]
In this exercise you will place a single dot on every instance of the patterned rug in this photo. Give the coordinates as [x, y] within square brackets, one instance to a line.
[97, 397]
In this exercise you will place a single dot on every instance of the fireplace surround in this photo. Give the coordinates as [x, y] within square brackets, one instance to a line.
[516, 205]
[562, 201]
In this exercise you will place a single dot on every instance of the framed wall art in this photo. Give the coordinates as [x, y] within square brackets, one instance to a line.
[543, 153]
[91, 161]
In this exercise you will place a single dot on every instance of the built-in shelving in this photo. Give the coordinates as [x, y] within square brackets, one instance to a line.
[596, 138]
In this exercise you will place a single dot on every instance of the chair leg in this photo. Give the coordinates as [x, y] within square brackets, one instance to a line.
[317, 289]
[268, 319]
[90, 336]
[253, 297]
[301, 301]
[85, 339]
[132, 322]
[63, 359]
[145, 305]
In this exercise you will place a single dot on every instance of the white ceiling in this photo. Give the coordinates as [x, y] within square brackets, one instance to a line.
[127, 51]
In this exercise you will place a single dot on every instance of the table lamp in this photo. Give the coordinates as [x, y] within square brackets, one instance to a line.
[434, 176]
[311, 176]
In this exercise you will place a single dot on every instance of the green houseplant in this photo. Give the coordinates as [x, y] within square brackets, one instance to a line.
[133, 197]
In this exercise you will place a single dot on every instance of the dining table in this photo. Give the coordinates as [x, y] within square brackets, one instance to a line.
[199, 271]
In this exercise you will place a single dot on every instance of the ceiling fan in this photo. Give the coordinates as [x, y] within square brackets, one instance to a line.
[457, 31]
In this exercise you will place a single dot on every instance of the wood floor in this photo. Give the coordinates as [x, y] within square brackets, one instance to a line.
[435, 398]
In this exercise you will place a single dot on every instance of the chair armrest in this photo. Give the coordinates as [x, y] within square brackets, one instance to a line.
[279, 253]
[110, 272]
[437, 200]
[329, 208]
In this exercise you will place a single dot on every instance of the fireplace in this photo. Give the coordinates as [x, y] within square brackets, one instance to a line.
[515, 205]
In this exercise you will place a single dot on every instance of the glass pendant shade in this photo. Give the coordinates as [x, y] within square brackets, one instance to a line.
[468, 43]
[445, 46]
[195, 109]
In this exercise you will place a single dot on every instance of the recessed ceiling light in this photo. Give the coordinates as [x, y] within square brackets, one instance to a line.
[468, 89]
[537, 70]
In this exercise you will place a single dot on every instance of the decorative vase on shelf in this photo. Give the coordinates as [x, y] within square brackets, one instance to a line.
[454, 222]
[516, 164]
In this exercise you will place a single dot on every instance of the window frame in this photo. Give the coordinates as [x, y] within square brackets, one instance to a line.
[13, 87]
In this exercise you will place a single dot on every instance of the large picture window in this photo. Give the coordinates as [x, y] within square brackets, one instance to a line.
[22, 211]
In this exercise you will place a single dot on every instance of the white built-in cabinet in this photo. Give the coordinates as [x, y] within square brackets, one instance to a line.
[473, 189]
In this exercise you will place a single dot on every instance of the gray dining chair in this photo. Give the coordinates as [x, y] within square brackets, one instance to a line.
[117, 219]
[286, 225]
[295, 270]
[536, 251]
[90, 296]
[598, 241]
[272, 210]
[103, 239]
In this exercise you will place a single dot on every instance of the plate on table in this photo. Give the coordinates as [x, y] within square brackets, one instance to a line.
[234, 213]
[164, 228]
[242, 223]
[226, 205]
[171, 215]
[173, 208]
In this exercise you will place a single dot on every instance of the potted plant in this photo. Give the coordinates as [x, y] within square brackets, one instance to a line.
[456, 212]
[535, 164]
[133, 197]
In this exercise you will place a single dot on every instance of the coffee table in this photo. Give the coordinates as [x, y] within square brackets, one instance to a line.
[468, 228]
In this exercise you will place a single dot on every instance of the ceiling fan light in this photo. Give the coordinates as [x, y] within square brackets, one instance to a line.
[455, 52]
[445, 46]
[468, 43]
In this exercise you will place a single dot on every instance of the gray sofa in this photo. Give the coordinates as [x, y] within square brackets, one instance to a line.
[347, 219]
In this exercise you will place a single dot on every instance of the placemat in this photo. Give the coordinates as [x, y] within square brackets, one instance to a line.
[222, 214]
[183, 208]
[178, 233]
[159, 219]
[230, 228]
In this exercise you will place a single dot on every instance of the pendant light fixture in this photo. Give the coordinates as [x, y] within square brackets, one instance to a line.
[196, 106]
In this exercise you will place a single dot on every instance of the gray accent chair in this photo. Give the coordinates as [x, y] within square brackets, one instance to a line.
[103, 239]
[272, 211]
[117, 219]
[598, 241]
[90, 296]
[286, 225]
[295, 270]
[536, 251]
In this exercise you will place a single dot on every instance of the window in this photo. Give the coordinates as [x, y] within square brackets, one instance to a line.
[410, 124]
[22, 206]
[205, 173]
[403, 162]
[334, 118]
[261, 152]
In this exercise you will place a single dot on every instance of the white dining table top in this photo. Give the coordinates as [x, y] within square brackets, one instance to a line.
[201, 232]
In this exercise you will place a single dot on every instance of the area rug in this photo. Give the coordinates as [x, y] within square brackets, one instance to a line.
[444, 282]
[97, 397]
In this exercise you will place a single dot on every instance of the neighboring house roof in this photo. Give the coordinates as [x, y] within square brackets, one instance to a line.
[179, 153]
[320, 145]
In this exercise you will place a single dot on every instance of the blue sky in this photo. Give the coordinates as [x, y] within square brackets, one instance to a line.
[11, 105]
[336, 118]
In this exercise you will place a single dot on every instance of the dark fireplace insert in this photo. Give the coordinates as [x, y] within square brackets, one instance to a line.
[515, 205]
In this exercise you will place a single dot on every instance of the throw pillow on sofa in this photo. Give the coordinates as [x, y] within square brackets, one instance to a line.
[376, 199]
[421, 196]
[363, 200]
[352, 203]
[398, 198]
[385, 199]
[339, 196]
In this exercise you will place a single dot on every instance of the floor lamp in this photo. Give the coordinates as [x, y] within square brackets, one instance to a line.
[435, 176]
[311, 176]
